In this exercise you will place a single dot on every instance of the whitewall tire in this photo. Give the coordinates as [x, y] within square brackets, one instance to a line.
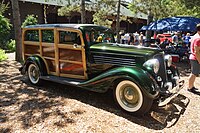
[34, 74]
[130, 97]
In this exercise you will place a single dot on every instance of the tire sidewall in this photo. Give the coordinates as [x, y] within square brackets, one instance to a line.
[29, 75]
[119, 101]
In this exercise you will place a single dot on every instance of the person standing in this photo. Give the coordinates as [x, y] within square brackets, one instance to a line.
[194, 60]
[157, 39]
[175, 39]
[126, 38]
[132, 39]
[141, 38]
[136, 38]
[186, 39]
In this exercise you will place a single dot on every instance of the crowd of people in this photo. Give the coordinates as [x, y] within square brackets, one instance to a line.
[176, 42]
[139, 39]
[132, 38]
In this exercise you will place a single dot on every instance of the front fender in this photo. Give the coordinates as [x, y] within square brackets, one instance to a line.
[104, 81]
[38, 61]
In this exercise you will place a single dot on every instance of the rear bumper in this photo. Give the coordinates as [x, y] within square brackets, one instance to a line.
[171, 93]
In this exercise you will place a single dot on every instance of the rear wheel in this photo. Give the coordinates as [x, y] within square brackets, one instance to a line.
[34, 74]
[130, 98]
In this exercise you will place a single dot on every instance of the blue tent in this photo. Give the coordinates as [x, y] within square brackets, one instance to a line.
[173, 24]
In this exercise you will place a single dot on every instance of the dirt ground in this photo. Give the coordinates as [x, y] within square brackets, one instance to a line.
[59, 108]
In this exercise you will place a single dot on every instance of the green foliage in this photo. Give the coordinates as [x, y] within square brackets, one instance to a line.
[5, 28]
[48, 36]
[3, 7]
[164, 8]
[68, 10]
[193, 7]
[11, 45]
[30, 20]
[2, 55]
[100, 18]
[101, 9]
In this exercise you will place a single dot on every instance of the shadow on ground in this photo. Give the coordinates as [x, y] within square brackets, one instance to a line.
[184, 68]
[32, 104]
[158, 118]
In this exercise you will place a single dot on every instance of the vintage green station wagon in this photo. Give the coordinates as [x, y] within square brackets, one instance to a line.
[86, 56]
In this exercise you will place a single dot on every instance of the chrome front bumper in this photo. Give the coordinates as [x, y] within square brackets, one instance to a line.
[171, 92]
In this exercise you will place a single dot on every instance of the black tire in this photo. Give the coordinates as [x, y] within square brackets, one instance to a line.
[131, 98]
[34, 74]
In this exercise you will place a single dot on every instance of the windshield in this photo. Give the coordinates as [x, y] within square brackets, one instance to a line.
[99, 36]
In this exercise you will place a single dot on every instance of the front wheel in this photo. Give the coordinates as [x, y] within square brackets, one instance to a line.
[130, 98]
[34, 74]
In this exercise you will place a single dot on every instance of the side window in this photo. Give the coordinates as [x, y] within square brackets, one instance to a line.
[94, 37]
[32, 35]
[48, 36]
[68, 37]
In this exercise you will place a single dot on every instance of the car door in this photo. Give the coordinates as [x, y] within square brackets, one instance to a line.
[70, 51]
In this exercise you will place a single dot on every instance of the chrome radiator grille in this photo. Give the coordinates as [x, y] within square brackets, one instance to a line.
[114, 60]
[162, 70]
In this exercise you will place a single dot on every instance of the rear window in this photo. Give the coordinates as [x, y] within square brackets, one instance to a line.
[68, 37]
[48, 36]
[32, 35]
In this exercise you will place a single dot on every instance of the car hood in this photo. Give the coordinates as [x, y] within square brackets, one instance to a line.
[123, 49]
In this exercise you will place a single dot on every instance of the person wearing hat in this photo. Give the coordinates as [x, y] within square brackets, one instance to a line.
[194, 60]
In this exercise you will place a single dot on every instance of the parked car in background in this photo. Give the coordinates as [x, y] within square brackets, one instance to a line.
[86, 56]
[163, 36]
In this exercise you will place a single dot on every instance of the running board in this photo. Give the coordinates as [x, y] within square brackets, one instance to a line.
[62, 80]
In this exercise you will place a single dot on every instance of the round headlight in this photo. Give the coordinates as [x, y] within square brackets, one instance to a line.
[168, 60]
[152, 64]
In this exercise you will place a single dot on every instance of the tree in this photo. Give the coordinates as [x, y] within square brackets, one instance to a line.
[69, 9]
[166, 8]
[118, 21]
[3, 7]
[150, 7]
[100, 18]
[17, 29]
[30, 20]
[5, 25]
[100, 8]
[83, 11]
[5, 28]
[157, 9]
[193, 7]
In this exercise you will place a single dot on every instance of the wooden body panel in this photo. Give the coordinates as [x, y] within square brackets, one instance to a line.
[65, 59]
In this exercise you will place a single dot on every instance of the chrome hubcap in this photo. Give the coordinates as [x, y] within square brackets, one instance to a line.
[33, 74]
[129, 96]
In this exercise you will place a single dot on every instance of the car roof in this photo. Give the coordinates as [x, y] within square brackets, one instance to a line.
[75, 26]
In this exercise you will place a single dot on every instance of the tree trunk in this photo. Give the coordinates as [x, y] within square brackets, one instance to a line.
[149, 20]
[83, 11]
[118, 22]
[45, 13]
[17, 29]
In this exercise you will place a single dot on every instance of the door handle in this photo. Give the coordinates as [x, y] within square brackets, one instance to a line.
[75, 45]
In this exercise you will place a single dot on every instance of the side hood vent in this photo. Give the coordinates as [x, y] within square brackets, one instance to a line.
[114, 60]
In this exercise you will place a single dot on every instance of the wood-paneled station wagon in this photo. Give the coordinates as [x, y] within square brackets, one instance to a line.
[86, 56]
